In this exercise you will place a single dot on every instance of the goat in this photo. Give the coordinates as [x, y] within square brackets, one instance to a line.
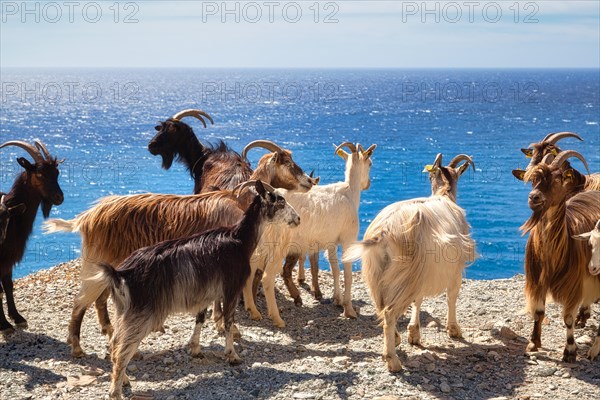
[186, 275]
[212, 167]
[593, 238]
[555, 263]
[6, 212]
[415, 249]
[547, 150]
[330, 218]
[119, 225]
[38, 184]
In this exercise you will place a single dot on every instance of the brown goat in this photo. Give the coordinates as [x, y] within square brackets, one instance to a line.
[555, 263]
[545, 151]
[119, 225]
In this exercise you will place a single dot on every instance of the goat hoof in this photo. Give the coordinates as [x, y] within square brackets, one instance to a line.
[77, 353]
[107, 330]
[115, 395]
[414, 334]
[298, 301]
[255, 316]
[279, 323]
[7, 330]
[21, 324]
[301, 281]
[318, 295]
[233, 358]
[393, 363]
[337, 300]
[454, 331]
[349, 312]
[531, 347]
[569, 356]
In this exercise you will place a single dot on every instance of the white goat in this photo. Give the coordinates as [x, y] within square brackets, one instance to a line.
[593, 237]
[415, 249]
[329, 216]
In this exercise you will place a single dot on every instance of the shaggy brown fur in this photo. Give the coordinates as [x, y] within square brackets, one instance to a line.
[555, 263]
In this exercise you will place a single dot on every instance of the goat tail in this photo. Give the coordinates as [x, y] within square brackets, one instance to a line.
[108, 276]
[60, 225]
[373, 253]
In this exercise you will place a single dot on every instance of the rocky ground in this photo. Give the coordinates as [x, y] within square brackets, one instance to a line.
[319, 355]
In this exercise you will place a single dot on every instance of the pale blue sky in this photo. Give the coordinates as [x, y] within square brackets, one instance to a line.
[384, 34]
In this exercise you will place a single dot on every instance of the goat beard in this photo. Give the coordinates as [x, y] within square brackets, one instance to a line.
[46, 206]
[536, 216]
[167, 160]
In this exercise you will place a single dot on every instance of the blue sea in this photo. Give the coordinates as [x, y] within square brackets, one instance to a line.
[100, 121]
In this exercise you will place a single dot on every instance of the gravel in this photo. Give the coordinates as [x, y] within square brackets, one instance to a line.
[319, 355]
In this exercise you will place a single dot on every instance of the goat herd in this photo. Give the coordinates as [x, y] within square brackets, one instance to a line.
[159, 254]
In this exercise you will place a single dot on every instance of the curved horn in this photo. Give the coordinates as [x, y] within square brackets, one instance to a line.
[252, 183]
[597, 227]
[548, 158]
[555, 137]
[42, 147]
[349, 145]
[33, 152]
[459, 158]
[564, 155]
[438, 160]
[2, 199]
[193, 113]
[265, 144]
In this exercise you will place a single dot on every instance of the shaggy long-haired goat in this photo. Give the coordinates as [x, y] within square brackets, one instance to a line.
[329, 219]
[555, 263]
[545, 151]
[186, 275]
[38, 184]
[415, 249]
[119, 225]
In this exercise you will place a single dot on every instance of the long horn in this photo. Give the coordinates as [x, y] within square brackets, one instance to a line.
[266, 144]
[33, 152]
[193, 113]
[438, 160]
[459, 158]
[2, 199]
[548, 158]
[598, 226]
[562, 157]
[349, 145]
[42, 147]
[555, 137]
[252, 183]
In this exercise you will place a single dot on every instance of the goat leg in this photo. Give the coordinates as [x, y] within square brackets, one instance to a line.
[301, 276]
[314, 272]
[288, 268]
[194, 344]
[595, 349]
[452, 327]
[7, 284]
[535, 341]
[5, 327]
[582, 316]
[229, 305]
[414, 326]
[389, 341]
[102, 311]
[570, 352]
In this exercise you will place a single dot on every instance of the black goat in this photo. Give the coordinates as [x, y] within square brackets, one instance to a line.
[212, 167]
[186, 275]
[37, 184]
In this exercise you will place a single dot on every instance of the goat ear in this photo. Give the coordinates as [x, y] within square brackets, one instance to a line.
[528, 152]
[519, 174]
[23, 162]
[429, 168]
[342, 154]
[18, 209]
[583, 237]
